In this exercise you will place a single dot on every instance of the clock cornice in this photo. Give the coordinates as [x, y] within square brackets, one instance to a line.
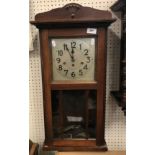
[73, 15]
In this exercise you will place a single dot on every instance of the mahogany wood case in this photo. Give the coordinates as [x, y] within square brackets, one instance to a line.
[72, 20]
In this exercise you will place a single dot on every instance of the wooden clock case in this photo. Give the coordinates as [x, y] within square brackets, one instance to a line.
[73, 20]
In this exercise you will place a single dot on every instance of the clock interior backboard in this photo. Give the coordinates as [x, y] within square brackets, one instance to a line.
[75, 117]
[115, 120]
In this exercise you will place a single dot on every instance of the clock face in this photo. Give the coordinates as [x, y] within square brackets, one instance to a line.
[73, 58]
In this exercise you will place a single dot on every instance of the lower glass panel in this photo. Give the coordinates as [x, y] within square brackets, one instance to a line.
[74, 114]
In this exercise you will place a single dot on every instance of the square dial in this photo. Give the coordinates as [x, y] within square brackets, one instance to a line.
[73, 59]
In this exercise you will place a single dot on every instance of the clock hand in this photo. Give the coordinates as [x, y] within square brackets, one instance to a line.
[71, 55]
[69, 52]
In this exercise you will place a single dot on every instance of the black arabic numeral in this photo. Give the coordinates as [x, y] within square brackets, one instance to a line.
[86, 52]
[80, 47]
[85, 67]
[60, 67]
[66, 71]
[80, 72]
[88, 59]
[60, 53]
[73, 74]
[58, 60]
[73, 44]
[65, 47]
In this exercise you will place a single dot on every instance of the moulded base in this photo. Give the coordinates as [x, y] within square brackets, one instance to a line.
[50, 147]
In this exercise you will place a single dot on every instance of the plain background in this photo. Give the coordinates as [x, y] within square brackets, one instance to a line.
[14, 79]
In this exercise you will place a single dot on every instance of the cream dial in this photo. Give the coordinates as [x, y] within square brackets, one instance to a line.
[73, 58]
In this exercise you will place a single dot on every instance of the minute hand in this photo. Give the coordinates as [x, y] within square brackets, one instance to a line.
[71, 55]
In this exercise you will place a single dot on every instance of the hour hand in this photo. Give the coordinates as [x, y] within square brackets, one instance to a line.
[72, 52]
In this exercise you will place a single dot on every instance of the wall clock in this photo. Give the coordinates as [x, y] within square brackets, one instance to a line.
[73, 59]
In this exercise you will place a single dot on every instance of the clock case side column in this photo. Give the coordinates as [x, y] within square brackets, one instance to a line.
[101, 88]
[46, 79]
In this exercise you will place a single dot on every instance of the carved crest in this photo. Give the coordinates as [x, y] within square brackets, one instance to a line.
[72, 8]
